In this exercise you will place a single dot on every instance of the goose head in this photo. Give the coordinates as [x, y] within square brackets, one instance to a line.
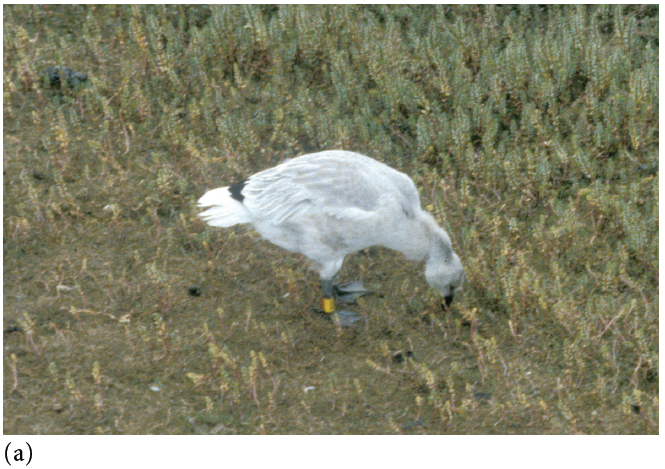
[445, 274]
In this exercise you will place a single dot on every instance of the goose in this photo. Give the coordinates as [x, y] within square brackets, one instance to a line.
[329, 204]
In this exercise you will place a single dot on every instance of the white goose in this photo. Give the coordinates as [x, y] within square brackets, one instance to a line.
[329, 204]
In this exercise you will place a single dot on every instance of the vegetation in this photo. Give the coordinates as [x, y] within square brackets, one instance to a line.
[531, 132]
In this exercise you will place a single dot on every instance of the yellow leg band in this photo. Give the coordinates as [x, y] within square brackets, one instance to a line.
[328, 305]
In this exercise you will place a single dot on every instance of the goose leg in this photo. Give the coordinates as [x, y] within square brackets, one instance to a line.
[327, 299]
[346, 293]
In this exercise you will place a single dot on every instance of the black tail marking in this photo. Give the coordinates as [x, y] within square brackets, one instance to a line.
[236, 191]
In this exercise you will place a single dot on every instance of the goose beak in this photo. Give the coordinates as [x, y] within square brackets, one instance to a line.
[448, 299]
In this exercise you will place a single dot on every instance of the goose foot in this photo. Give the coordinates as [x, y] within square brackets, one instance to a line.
[346, 318]
[349, 292]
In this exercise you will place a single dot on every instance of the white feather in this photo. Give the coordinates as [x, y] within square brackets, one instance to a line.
[329, 204]
[225, 210]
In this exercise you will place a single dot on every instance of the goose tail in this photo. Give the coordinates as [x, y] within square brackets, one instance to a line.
[224, 210]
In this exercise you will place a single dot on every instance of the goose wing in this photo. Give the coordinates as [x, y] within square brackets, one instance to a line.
[339, 184]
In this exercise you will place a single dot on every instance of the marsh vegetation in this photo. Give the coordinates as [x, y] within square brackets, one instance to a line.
[531, 133]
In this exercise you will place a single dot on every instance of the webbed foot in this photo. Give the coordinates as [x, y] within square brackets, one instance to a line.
[346, 318]
[349, 292]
